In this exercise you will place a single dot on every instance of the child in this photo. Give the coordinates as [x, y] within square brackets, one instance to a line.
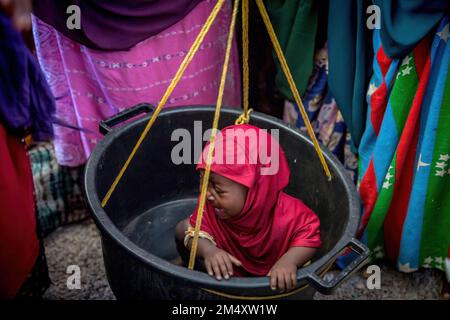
[250, 227]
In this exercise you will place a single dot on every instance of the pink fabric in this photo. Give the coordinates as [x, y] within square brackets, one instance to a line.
[271, 221]
[91, 85]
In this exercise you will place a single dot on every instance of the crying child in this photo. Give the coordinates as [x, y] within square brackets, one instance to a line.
[250, 226]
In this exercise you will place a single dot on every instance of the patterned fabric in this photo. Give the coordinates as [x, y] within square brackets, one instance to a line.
[92, 85]
[58, 193]
[324, 115]
[405, 155]
[402, 25]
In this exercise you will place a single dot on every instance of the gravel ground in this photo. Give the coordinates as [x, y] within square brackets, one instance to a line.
[79, 244]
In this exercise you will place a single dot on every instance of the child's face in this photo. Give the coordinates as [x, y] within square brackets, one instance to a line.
[226, 196]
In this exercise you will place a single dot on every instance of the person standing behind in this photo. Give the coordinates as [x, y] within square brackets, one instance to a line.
[26, 107]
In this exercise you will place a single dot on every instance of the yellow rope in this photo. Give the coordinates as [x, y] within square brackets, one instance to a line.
[245, 116]
[205, 180]
[291, 82]
[245, 70]
[250, 298]
[190, 55]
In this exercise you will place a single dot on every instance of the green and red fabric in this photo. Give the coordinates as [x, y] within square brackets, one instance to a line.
[403, 24]
[404, 180]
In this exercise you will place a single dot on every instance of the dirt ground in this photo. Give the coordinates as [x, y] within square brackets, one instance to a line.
[79, 244]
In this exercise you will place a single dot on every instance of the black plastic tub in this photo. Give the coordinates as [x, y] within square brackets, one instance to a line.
[138, 223]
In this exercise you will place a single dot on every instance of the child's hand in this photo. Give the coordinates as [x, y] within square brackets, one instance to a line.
[220, 263]
[283, 275]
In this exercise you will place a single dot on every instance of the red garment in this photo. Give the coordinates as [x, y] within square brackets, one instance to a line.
[271, 221]
[19, 245]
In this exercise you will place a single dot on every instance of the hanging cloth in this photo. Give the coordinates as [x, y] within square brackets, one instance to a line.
[26, 103]
[113, 24]
[295, 23]
[403, 25]
[405, 155]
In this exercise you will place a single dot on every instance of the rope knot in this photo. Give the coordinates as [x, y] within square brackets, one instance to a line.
[244, 117]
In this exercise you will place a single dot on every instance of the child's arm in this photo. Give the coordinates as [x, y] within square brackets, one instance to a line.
[217, 261]
[283, 275]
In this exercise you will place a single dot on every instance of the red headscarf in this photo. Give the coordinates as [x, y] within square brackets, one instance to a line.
[271, 221]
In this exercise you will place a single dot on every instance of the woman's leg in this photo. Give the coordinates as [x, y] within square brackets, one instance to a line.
[19, 243]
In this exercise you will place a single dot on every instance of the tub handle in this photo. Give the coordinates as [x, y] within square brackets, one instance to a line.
[105, 125]
[328, 286]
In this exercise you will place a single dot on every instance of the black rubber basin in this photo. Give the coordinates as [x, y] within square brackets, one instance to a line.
[138, 223]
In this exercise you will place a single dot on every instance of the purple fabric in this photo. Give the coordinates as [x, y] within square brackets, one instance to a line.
[113, 24]
[25, 99]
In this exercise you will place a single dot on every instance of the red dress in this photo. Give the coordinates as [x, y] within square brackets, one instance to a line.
[271, 221]
[19, 245]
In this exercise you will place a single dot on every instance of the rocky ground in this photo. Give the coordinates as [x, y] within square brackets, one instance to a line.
[79, 244]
